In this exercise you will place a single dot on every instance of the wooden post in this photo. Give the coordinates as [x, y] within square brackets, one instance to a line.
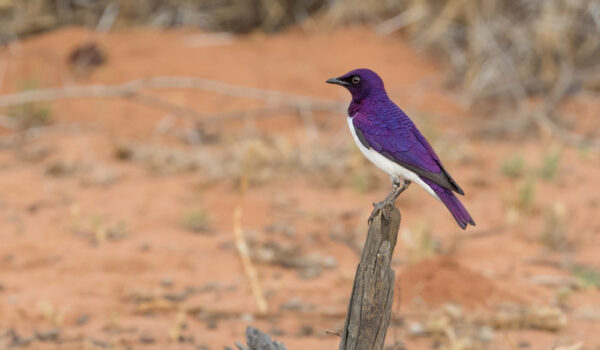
[370, 306]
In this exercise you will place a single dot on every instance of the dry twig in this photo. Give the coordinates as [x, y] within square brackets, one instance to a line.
[243, 250]
[132, 90]
[542, 118]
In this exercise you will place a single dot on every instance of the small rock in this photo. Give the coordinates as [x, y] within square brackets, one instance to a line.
[524, 344]
[144, 247]
[124, 152]
[310, 272]
[50, 335]
[292, 304]
[83, 319]
[276, 332]
[100, 343]
[33, 208]
[185, 339]
[486, 334]
[19, 342]
[329, 262]
[247, 318]
[281, 228]
[16, 340]
[295, 304]
[61, 168]
[166, 282]
[86, 57]
[146, 339]
[212, 323]
[306, 330]
[206, 287]
[398, 345]
[177, 297]
[416, 329]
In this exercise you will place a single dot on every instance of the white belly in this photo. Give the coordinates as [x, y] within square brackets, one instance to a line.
[393, 169]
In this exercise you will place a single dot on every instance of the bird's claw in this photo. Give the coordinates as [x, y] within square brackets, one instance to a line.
[376, 209]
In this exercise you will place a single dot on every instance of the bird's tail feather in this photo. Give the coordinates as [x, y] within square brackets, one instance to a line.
[461, 215]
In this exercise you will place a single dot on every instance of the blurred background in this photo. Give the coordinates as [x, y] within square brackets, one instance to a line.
[173, 171]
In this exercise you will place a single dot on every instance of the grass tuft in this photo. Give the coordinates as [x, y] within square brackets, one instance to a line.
[514, 167]
[554, 234]
[526, 195]
[197, 221]
[550, 164]
[588, 277]
[30, 114]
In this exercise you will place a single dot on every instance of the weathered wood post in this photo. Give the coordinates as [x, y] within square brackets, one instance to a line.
[370, 306]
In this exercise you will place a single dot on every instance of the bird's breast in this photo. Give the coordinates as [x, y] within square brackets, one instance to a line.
[388, 166]
[379, 160]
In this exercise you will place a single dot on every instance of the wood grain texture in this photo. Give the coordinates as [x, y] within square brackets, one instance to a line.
[370, 306]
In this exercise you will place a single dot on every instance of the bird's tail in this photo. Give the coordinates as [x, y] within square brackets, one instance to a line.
[461, 215]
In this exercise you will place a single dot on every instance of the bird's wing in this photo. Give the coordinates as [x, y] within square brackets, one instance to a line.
[394, 136]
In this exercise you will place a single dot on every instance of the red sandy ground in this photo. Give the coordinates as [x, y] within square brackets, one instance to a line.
[53, 277]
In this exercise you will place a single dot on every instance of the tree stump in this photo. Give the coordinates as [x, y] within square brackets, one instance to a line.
[370, 306]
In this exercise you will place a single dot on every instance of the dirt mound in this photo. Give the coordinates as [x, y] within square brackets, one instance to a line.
[442, 280]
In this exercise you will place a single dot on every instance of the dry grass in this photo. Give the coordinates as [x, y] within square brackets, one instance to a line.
[265, 158]
[28, 17]
[453, 328]
[508, 50]
[500, 51]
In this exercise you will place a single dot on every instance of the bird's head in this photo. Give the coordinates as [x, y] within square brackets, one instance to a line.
[361, 83]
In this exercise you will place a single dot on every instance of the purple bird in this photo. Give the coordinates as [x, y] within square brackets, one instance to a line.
[389, 139]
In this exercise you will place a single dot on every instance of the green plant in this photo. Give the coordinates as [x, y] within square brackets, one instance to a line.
[196, 220]
[514, 167]
[30, 114]
[588, 277]
[526, 195]
[550, 164]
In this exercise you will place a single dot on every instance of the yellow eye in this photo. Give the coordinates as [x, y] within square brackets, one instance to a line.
[355, 79]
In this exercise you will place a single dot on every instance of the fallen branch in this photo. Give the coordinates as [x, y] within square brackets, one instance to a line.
[131, 89]
[544, 122]
[160, 103]
[35, 132]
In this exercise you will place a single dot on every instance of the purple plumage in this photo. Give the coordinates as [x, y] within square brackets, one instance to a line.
[388, 138]
[458, 211]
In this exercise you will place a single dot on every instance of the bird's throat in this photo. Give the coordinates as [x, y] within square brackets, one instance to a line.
[354, 107]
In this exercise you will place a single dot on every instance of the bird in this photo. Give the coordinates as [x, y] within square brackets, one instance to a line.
[389, 139]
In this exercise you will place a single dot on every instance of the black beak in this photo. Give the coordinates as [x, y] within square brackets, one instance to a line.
[337, 81]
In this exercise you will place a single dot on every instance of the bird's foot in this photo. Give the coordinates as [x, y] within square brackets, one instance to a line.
[398, 188]
[377, 208]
